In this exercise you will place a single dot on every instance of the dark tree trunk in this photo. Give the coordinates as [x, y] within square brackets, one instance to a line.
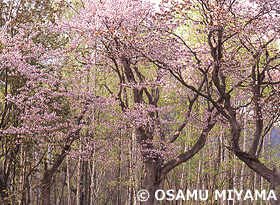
[272, 176]
[275, 185]
[156, 170]
[46, 188]
[152, 180]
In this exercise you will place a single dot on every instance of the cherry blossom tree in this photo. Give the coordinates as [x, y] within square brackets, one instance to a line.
[234, 45]
[13, 15]
[160, 71]
[123, 36]
[51, 104]
[223, 51]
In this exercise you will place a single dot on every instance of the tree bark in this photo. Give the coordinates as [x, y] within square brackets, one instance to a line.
[68, 181]
[151, 180]
[156, 170]
[46, 188]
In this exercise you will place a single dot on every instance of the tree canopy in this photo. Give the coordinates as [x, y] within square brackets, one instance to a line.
[100, 99]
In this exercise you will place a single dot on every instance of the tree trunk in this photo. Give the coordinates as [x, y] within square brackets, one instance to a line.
[46, 188]
[92, 179]
[68, 181]
[275, 185]
[272, 176]
[151, 181]
[78, 194]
